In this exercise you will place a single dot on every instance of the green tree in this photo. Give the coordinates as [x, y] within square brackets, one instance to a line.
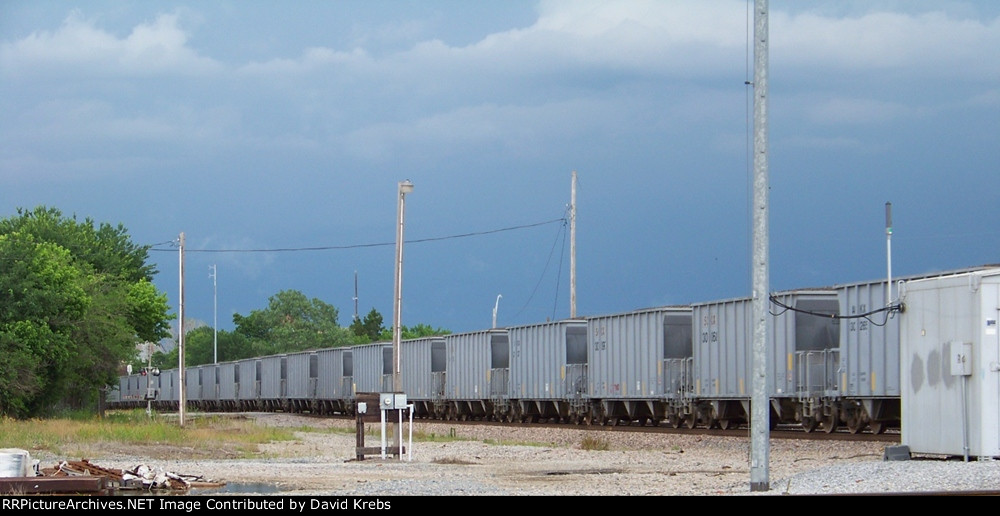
[41, 298]
[200, 348]
[417, 331]
[292, 322]
[369, 328]
[75, 299]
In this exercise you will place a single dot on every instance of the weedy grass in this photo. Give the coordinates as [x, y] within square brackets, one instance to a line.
[136, 429]
[594, 443]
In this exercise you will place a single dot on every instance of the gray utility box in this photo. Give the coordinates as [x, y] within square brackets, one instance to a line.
[950, 365]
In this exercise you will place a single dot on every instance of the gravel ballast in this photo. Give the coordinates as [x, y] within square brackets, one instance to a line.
[496, 460]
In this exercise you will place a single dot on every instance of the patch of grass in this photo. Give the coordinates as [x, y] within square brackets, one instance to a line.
[590, 442]
[136, 429]
[452, 460]
[503, 442]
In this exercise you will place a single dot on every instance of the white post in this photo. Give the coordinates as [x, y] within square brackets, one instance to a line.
[182, 395]
[759, 402]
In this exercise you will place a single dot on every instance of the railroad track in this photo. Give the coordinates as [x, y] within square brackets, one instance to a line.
[891, 435]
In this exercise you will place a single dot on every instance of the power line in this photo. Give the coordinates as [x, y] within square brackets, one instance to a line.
[360, 246]
[887, 310]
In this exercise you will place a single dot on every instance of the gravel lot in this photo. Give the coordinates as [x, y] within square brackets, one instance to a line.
[547, 462]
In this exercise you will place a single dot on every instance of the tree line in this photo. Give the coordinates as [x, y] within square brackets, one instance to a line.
[77, 301]
[290, 323]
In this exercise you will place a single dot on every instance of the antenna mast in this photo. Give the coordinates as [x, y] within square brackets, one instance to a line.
[572, 249]
[888, 253]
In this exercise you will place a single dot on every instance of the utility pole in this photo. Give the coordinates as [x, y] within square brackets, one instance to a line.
[405, 187]
[760, 405]
[215, 314]
[355, 295]
[182, 395]
[572, 249]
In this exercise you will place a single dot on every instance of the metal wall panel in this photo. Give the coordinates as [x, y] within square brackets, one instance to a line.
[627, 352]
[539, 356]
[723, 337]
[227, 381]
[416, 367]
[723, 347]
[368, 366]
[335, 380]
[300, 375]
[192, 382]
[468, 375]
[209, 382]
[950, 375]
[168, 386]
[272, 378]
[249, 371]
[869, 347]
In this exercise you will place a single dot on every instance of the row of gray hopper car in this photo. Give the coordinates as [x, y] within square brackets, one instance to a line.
[833, 361]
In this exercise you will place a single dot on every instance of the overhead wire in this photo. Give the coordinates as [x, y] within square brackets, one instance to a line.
[888, 310]
[360, 246]
[562, 230]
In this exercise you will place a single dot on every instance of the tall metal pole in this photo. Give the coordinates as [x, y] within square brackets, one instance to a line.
[572, 249]
[759, 401]
[215, 314]
[405, 187]
[182, 395]
[888, 253]
[355, 295]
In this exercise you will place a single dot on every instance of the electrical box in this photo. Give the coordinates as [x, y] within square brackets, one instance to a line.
[961, 358]
[392, 401]
[949, 365]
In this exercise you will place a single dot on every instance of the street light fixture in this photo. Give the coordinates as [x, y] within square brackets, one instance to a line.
[495, 307]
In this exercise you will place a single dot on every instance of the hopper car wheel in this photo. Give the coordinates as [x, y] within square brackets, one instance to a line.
[691, 421]
[877, 427]
[809, 424]
[726, 424]
[675, 421]
[854, 422]
[830, 423]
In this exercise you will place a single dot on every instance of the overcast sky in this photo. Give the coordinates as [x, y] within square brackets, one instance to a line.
[259, 126]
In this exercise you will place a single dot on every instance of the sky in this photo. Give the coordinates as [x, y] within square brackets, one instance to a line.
[274, 135]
